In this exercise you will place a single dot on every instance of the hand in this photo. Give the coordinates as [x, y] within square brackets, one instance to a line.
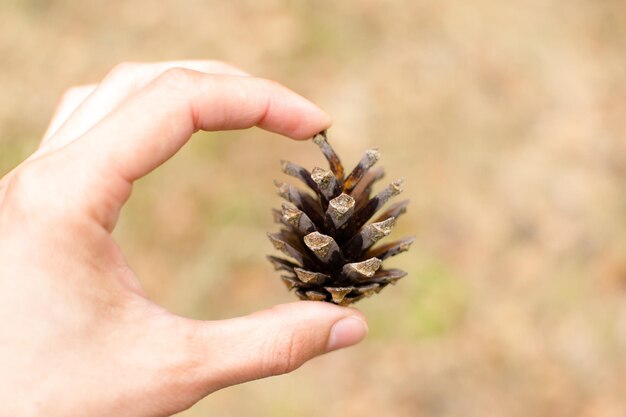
[77, 334]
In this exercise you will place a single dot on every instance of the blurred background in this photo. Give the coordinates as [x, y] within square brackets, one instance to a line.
[508, 120]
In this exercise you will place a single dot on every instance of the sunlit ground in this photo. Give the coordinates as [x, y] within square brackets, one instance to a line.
[507, 120]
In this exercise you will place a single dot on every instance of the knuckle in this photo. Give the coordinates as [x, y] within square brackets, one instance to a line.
[123, 69]
[270, 85]
[177, 78]
[286, 355]
[26, 175]
[222, 65]
[31, 189]
[72, 92]
[24, 185]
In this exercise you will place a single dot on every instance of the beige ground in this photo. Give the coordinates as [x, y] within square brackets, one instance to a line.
[508, 119]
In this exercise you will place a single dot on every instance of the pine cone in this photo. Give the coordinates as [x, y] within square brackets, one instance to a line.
[327, 235]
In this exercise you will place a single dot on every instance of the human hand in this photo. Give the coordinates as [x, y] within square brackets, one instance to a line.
[77, 334]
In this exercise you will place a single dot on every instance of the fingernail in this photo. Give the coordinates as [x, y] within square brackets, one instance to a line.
[346, 332]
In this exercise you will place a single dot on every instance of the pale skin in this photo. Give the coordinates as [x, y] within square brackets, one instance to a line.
[78, 335]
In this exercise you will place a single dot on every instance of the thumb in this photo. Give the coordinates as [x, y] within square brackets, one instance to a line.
[274, 341]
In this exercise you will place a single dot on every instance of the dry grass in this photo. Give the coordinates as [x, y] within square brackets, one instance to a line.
[507, 118]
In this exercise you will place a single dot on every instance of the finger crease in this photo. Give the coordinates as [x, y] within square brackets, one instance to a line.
[266, 110]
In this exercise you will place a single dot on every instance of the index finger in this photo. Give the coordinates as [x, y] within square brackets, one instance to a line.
[153, 125]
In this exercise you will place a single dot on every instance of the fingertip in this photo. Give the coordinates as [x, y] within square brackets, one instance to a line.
[324, 121]
[321, 327]
[346, 326]
[347, 332]
[327, 120]
[294, 115]
[317, 121]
